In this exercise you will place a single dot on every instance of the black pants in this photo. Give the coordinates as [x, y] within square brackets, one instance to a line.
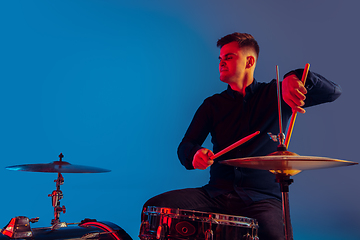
[267, 212]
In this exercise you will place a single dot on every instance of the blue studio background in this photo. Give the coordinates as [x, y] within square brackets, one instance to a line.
[114, 84]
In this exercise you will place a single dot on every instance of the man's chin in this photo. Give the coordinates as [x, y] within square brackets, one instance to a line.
[224, 79]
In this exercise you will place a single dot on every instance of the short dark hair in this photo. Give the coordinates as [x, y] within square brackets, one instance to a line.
[243, 40]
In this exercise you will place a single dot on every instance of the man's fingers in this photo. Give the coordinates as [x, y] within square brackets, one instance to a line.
[302, 88]
[299, 109]
[203, 164]
[210, 154]
[199, 164]
[299, 95]
[295, 99]
[296, 105]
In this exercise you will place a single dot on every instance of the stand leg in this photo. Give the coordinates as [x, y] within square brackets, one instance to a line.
[285, 181]
[286, 216]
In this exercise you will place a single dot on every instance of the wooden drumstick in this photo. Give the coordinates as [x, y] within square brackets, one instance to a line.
[293, 116]
[234, 145]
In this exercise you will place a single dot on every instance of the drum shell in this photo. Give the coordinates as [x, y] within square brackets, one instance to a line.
[88, 230]
[167, 223]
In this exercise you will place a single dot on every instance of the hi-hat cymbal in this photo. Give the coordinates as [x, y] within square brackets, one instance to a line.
[57, 167]
[287, 162]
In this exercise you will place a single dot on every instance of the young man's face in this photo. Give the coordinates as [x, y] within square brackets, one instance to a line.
[232, 63]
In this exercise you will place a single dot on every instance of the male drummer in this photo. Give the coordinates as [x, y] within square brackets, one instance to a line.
[246, 106]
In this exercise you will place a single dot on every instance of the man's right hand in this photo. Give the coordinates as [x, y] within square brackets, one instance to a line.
[202, 159]
[293, 93]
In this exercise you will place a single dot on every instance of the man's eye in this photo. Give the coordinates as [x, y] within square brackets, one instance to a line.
[227, 58]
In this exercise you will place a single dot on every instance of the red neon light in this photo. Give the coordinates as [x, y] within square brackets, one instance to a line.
[9, 230]
[103, 227]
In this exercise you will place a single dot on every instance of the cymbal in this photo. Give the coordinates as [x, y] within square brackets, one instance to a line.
[287, 162]
[57, 167]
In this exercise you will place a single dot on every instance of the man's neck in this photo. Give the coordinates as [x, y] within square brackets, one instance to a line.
[241, 85]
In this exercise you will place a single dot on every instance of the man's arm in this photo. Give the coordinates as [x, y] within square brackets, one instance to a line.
[190, 152]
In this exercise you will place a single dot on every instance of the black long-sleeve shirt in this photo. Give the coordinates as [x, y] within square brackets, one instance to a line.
[229, 116]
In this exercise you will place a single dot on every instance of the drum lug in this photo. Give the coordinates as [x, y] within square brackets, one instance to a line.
[143, 227]
[255, 231]
[161, 232]
[209, 234]
[250, 237]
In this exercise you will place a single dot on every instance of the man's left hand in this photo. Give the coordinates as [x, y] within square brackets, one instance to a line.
[293, 93]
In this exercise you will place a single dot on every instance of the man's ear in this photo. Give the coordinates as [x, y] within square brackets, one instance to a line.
[250, 61]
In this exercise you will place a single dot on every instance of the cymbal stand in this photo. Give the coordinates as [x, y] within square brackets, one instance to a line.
[56, 196]
[282, 178]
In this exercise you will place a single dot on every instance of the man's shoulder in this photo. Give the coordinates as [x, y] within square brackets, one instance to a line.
[221, 95]
[264, 86]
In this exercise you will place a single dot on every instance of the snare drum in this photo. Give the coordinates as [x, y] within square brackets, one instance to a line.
[168, 223]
